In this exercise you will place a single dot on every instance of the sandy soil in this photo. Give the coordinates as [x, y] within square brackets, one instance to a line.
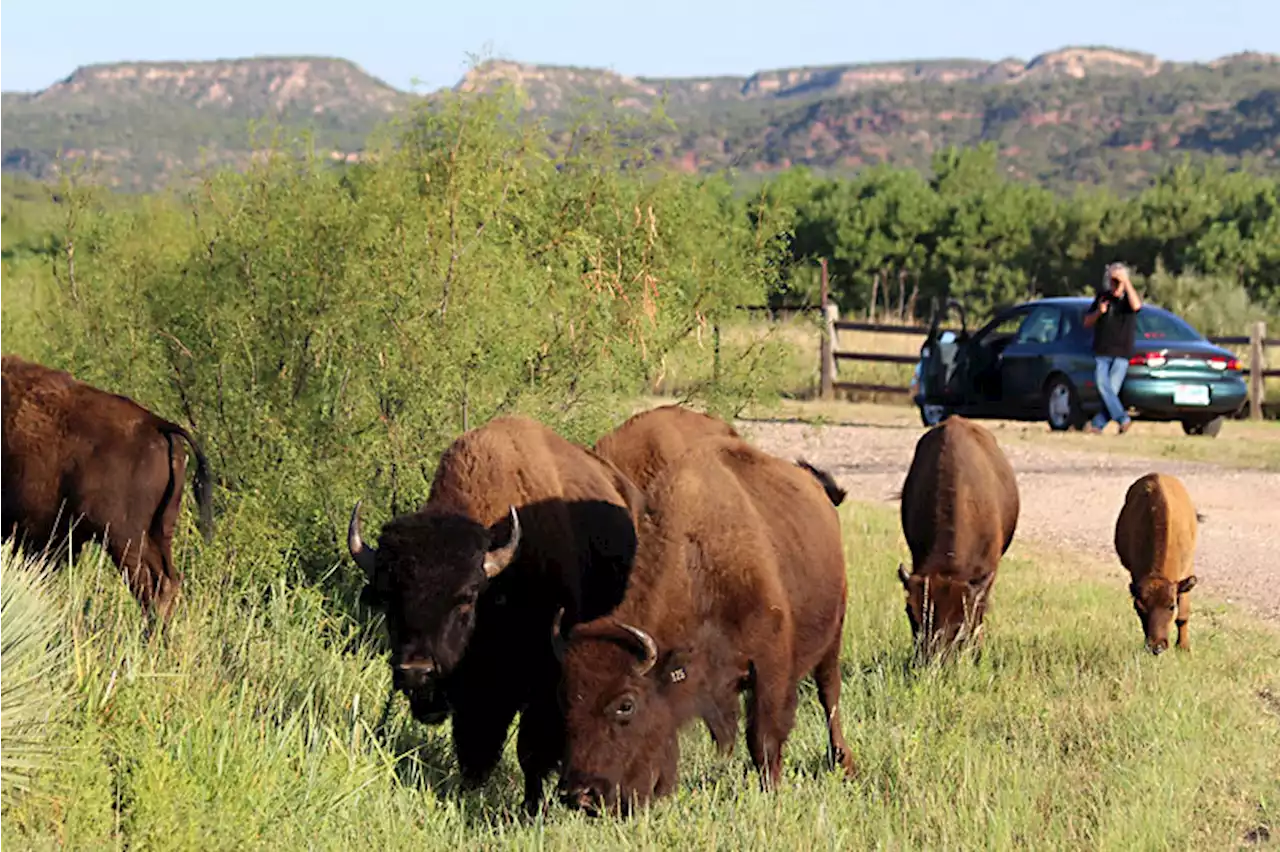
[1070, 498]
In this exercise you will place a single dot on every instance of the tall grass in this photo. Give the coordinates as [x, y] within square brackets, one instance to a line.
[256, 722]
[33, 662]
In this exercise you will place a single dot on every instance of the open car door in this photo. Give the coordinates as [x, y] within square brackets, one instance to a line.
[941, 384]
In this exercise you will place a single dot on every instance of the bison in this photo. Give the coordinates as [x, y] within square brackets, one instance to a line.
[1156, 541]
[738, 586]
[519, 523]
[646, 443]
[74, 454]
[959, 513]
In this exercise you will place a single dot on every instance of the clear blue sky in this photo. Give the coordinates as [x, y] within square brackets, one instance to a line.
[398, 41]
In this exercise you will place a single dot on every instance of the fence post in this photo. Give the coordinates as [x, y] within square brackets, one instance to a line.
[826, 363]
[1257, 366]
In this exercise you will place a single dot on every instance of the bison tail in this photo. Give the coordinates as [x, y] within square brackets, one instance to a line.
[203, 482]
[835, 493]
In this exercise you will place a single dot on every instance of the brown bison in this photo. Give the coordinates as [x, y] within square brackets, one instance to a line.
[81, 463]
[738, 585]
[959, 513]
[1156, 541]
[646, 443]
[519, 524]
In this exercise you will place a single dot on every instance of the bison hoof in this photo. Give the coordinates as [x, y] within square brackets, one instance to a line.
[844, 761]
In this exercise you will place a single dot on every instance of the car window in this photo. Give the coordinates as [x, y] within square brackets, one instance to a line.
[1158, 326]
[1004, 329]
[1041, 326]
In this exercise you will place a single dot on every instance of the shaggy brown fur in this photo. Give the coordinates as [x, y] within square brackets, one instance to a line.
[469, 617]
[649, 441]
[79, 460]
[738, 584]
[646, 443]
[959, 513]
[1156, 541]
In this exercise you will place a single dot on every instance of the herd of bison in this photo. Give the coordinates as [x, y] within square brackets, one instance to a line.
[609, 595]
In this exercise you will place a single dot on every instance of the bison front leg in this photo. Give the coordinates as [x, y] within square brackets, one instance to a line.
[1184, 615]
[539, 745]
[771, 713]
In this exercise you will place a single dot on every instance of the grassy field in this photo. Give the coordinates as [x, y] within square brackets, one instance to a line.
[254, 724]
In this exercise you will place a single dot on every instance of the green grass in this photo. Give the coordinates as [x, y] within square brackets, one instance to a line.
[253, 724]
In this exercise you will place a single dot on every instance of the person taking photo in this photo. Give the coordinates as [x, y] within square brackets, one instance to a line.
[1113, 318]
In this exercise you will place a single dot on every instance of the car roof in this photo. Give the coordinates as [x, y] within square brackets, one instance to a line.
[1075, 302]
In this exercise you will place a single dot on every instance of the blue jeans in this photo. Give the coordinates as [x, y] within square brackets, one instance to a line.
[1108, 373]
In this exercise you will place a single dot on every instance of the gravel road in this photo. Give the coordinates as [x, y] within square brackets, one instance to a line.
[1070, 499]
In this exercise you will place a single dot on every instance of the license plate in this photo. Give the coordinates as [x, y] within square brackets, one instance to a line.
[1191, 395]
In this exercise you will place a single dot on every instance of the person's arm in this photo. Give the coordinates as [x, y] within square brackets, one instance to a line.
[1132, 297]
[1097, 309]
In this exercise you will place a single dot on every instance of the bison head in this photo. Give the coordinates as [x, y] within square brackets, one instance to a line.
[943, 611]
[625, 701]
[1155, 599]
[426, 576]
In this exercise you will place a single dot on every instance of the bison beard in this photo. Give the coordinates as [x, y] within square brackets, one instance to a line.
[959, 513]
[519, 524]
[80, 463]
[738, 585]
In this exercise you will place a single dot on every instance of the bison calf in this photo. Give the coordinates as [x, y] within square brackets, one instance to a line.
[959, 512]
[76, 456]
[738, 585]
[1156, 541]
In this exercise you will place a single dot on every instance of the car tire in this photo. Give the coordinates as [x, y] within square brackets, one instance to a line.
[1209, 428]
[932, 415]
[1062, 405]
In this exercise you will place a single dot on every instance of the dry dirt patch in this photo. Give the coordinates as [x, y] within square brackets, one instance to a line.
[1071, 497]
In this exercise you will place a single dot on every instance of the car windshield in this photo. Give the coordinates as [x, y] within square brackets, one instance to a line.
[1159, 327]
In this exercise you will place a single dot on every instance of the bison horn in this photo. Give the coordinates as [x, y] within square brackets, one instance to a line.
[557, 641]
[499, 558]
[650, 649]
[364, 556]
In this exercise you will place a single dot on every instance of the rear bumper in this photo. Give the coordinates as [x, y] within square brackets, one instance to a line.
[1153, 398]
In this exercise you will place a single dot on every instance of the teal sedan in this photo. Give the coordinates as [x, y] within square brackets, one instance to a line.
[1034, 361]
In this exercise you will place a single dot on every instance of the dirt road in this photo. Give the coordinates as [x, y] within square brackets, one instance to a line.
[1071, 498]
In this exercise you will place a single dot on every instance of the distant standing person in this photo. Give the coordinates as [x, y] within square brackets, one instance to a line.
[1112, 316]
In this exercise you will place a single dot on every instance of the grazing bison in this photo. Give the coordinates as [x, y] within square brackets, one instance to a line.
[1156, 541]
[738, 585]
[100, 464]
[519, 523]
[959, 512]
[646, 443]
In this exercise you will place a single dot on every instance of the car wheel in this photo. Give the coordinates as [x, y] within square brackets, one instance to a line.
[1209, 428]
[932, 415]
[1062, 406]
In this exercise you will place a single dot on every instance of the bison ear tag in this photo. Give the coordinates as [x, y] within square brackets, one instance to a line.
[678, 675]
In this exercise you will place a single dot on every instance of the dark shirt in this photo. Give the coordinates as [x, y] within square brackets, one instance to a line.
[1113, 333]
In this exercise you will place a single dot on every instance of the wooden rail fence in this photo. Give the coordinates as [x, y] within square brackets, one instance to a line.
[831, 355]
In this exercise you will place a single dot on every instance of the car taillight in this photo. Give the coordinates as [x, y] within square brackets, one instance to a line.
[1148, 359]
[1225, 363]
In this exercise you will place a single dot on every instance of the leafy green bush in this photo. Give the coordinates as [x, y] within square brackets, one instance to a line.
[328, 333]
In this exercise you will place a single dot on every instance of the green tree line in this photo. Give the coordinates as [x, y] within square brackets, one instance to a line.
[969, 231]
